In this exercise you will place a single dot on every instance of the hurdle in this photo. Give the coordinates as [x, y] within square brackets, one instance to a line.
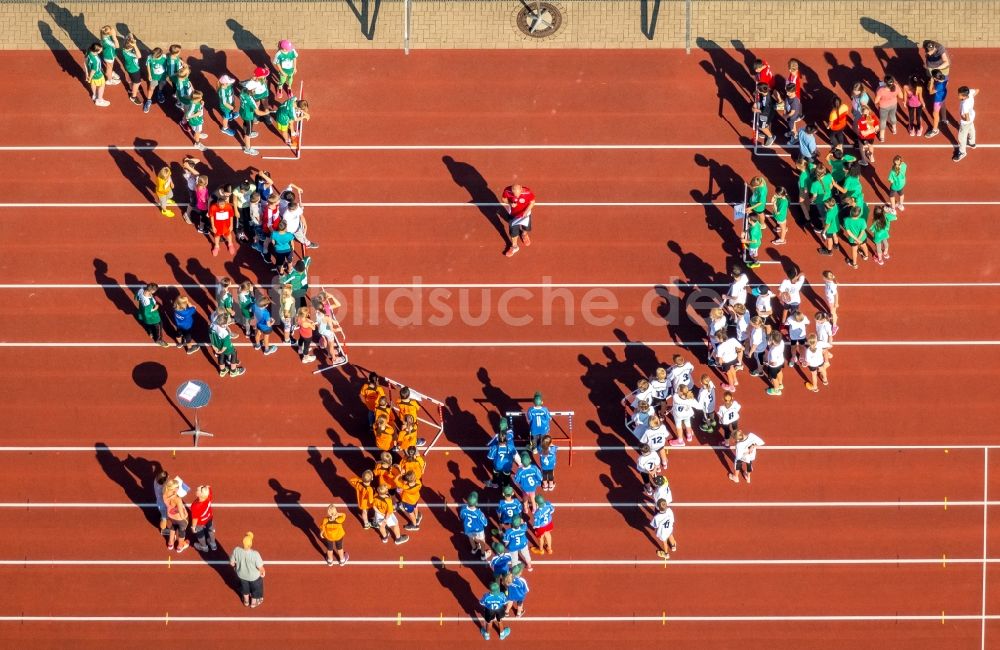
[341, 351]
[567, 431]
[433, 415]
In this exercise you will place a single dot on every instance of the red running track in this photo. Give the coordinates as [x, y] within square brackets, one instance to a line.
[806, 508]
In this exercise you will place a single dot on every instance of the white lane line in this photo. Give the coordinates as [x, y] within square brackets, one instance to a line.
[469, 204]
[986, 488]
[662, 618]
[597, 505]
[446, 147]
[552, 563]
[500, 344]
[336, 449]
[667, 284]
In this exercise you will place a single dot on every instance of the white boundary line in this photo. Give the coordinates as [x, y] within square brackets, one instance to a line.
[597, 505]
[500, 344]
[447, 147]
[399, 619]
[469, 204]
[667, 284]
[818, 448]
[986, 487]
[555, 563]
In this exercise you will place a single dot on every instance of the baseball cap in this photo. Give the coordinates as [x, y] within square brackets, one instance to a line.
[260, 72]
[538, 398]
[472, 499]
[525, 459]
[518, 568]
[539, 499]
[285, 44]
[503, 424]
[516, 522]
[499, 548]
[226, 80]
[494, 588]
[507, 491]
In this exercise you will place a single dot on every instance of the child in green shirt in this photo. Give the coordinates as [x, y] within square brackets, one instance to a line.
[130, 60]
[195, 118]
[109, 49]
[95, 75]
[897, 182]
[286, 63]
[149, 313]
[780, 215]
[156, 77]
[880, 232]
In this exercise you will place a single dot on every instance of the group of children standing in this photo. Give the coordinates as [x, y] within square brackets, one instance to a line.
[239, 104]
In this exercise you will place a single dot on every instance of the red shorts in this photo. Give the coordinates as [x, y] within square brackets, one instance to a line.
[544, 529]
[222, 229]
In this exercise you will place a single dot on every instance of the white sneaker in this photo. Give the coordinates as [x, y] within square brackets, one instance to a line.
[102, 102]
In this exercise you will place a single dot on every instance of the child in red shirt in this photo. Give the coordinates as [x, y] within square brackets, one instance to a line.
[220, 222]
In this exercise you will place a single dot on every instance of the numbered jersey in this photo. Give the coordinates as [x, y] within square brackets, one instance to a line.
[539, 420]
[655, 438]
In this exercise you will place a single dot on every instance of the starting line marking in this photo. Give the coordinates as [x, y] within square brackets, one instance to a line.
[497, 344]
[658, 618]
[470, 204]
[553, 563]
[513, 285]
[565, 504]
[353, 448]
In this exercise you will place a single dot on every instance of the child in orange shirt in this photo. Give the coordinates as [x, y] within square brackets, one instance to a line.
[331, 531]
[385, 516]
[385, 435]
[407, 436]
[406, 405]
[371, 391]
[365, 495]
[413, 462]
[409, 497]
[385, 471]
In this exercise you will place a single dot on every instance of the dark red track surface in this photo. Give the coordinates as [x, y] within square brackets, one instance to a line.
[900, 396]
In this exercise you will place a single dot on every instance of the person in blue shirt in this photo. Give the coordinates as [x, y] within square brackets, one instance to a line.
[501, 562]
[508, 508]
[184, 320]
[546, 453]
[474, 524]
[264, 324]
[542, 525]
[528, 478]
[516, 540]
[517, 590]
[502, 452]
[539, 420]
[494, 609]
[807, 143]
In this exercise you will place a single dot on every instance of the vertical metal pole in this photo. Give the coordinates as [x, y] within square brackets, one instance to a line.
[687, 26]
[406, 27]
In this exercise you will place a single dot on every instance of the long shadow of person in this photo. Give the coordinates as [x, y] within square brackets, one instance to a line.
[134, 172]
[624, 488]
[343, 404]
[367, 15]
[146, 150]
[74, 25]
[121, 297]
[640, 360]
[732, 82]
[219, 561]
[248, 43]
[600, 383]
[288, 501]
[648, 16]
[468, 178]
[501, 402]
[125, 30]
[65, 59]
[355, 457]
[457, 419]
[327, 472]
[459, 587]
[117, 470]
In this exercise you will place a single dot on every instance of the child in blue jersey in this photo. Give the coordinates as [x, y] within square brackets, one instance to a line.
[184, 320]
[542, 524]
[516, 540]
[517, 591]
[502, 452]
[501, 562]
[474, 525]
[494, 609]
[528, 478]
[508, 508]
[539, 420]
[546, 453]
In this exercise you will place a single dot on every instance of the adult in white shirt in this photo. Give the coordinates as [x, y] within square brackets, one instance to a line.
[737, 294]
[745, 453]
[727, 354]
[816, 361]
[790, 290]
[655, 437]
[293, 212]
[663, 524]
[966, 121]
[774, 363]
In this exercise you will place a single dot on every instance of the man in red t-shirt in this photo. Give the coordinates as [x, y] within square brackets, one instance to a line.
[220, 219]
[764, 73]
[518, 201]
[202, 524]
